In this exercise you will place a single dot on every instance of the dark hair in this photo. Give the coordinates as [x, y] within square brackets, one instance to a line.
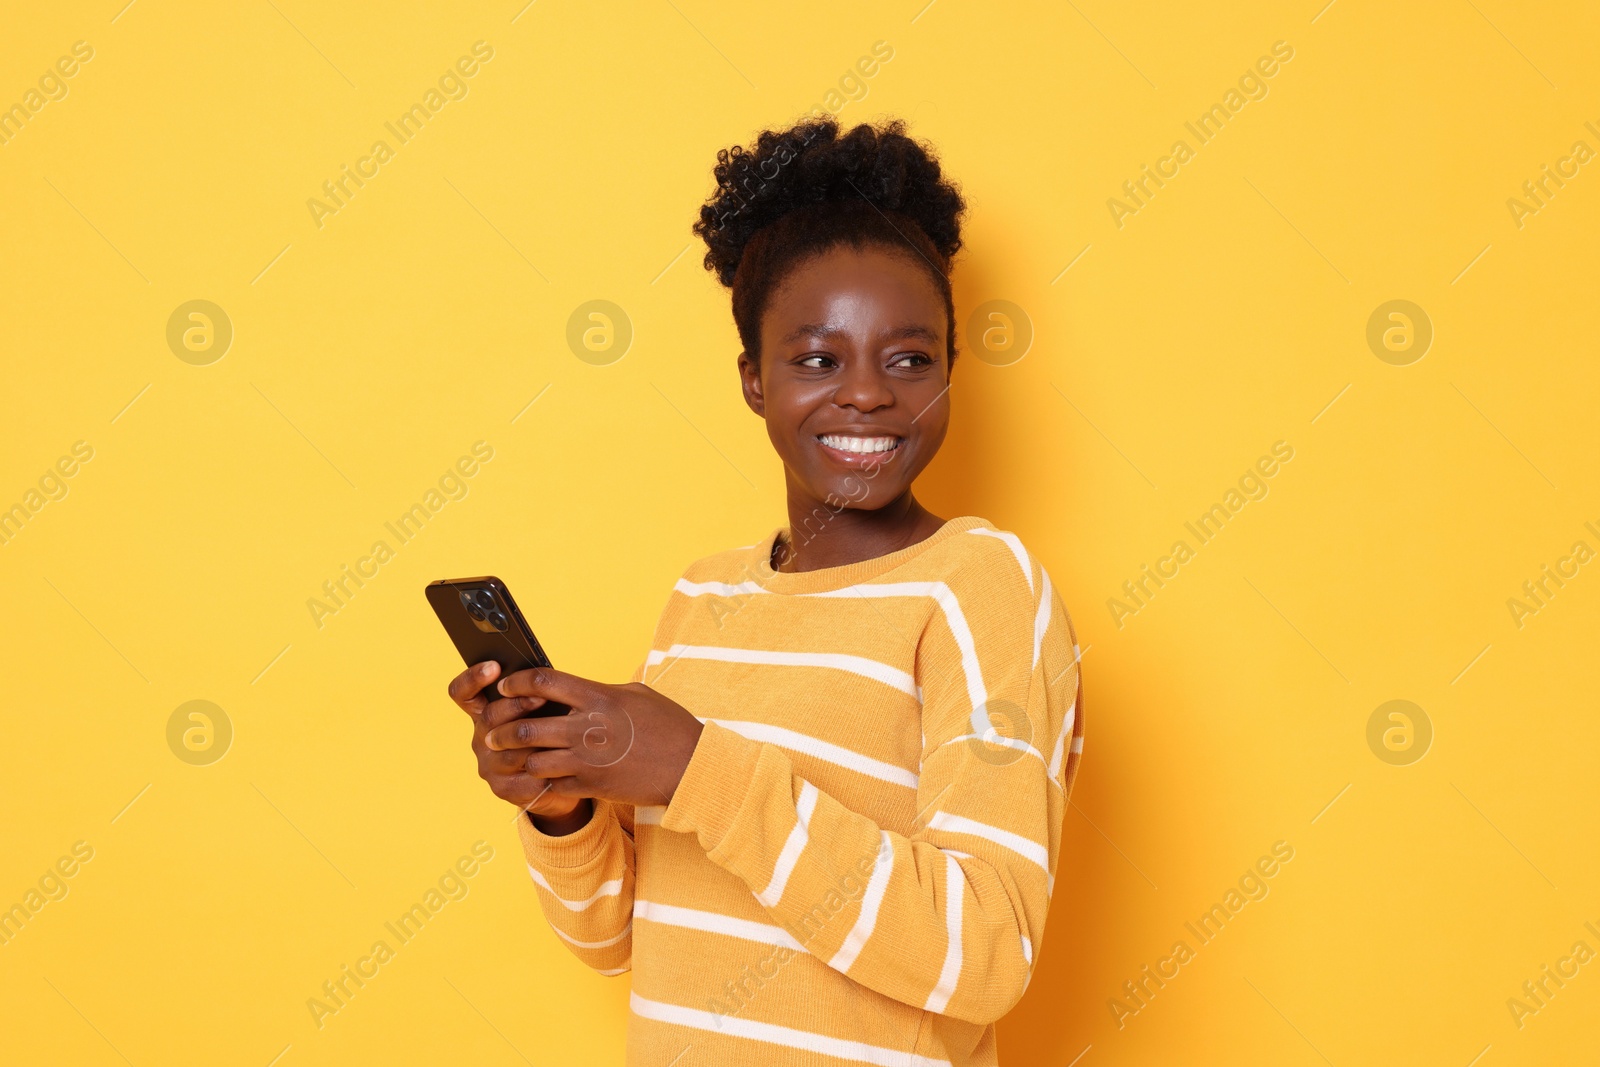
[804, 190]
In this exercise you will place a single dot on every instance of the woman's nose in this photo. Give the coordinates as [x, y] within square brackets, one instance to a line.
[863, 387]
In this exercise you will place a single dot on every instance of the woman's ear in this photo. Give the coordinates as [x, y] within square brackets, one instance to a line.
[750, 382]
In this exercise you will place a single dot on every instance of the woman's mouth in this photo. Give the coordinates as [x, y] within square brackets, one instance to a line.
[855, 450]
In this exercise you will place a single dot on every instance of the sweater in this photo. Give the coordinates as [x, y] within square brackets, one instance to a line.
[858, 861]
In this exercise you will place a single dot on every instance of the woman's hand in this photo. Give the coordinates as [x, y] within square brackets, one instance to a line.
[626, 743]
[506, 770]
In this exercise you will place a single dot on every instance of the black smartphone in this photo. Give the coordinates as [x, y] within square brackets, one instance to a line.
[484, 623]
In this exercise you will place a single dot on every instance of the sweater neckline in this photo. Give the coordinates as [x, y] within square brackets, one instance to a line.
[827, 579]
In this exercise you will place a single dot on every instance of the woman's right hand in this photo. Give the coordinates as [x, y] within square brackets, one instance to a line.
[506, 770]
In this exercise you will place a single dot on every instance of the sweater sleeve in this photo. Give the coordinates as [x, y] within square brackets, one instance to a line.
[585, 882]
[948, 917]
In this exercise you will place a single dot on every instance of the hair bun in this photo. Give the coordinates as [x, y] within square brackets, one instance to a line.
[811, 163]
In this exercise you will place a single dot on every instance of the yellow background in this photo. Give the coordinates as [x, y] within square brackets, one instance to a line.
[373, 351]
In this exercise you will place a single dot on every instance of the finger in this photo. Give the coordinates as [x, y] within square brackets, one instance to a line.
[466, 688]
[551, 763]
[504, 763]
[505, 709]
[549, 683]
[522, 788]
[526, 790]
[549, 732]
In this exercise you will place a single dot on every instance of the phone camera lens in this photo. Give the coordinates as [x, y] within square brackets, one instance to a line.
[470, 602]
[498, 620]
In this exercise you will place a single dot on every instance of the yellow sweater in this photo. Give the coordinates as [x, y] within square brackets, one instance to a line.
[849, 872]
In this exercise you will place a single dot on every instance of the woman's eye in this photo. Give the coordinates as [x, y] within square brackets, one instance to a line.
[817, 361]
[911, 359]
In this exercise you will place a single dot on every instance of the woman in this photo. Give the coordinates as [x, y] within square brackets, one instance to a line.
[821, 823]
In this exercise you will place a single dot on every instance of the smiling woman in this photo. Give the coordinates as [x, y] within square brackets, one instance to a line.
[859, 385]
[839, 273]
[850, 747]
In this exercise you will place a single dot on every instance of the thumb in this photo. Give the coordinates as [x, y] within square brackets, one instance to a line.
[549, 683]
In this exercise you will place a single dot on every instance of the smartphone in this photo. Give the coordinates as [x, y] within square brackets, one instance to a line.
[484, 623]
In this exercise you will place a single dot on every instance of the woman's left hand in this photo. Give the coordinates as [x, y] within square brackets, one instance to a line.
[625, 743]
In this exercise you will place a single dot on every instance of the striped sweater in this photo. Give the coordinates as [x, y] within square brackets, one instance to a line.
[858, 861]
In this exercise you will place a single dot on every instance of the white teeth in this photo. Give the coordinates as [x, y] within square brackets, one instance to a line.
[859, 444]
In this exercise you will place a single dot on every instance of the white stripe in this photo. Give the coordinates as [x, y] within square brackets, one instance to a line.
[1027, 950]
[614, 971]
[791, 848]
[1055, 757]
[714, 923]
[612, 888]
[867, 919]
[689, 588]
[772, 1034]
[1016, 550]
[867, 668]
[994, 737]
[607, 943]
[941, 593]
[822, 750]
[954, 619]
[1041, 621]
[955, 884]
[649, 816]
[1022, 846]
[1061, 740]
[1077, 745]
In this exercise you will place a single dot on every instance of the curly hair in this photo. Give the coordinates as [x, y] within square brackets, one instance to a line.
[804, 190]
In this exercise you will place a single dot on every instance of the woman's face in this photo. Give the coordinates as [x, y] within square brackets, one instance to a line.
[853, 380]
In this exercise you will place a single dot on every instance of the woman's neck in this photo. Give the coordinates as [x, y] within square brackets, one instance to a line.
[820, 536]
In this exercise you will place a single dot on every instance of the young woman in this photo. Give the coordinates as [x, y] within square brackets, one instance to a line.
[821, 823]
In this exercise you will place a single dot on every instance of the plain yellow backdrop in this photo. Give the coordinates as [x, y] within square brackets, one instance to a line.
[1172, 347]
